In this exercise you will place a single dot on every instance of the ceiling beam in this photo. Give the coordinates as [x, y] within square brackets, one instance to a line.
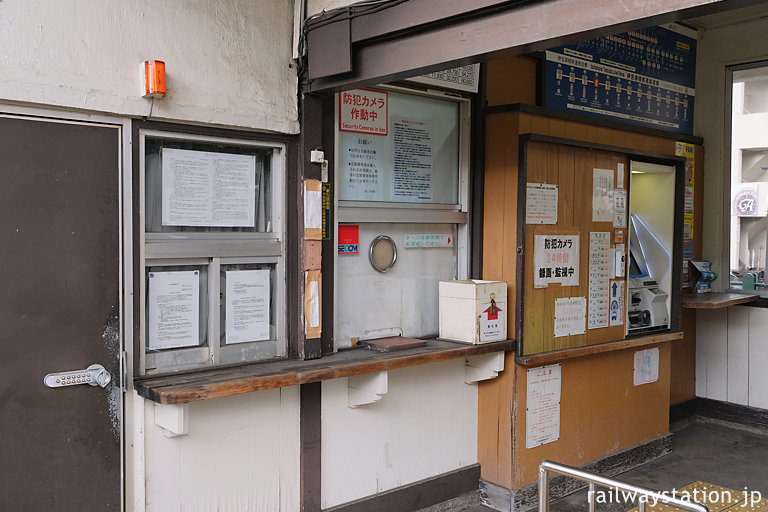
[399, 42]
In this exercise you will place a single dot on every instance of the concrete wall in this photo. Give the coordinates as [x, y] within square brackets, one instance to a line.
[227, 62]
[425, 425]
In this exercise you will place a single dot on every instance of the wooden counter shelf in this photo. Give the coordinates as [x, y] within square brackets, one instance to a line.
[716, 300]
[182, 388]
[599, 348]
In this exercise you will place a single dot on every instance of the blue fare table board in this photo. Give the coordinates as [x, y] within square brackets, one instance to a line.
[644, 77]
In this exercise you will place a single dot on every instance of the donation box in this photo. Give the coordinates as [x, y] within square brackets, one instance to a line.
[473, 311]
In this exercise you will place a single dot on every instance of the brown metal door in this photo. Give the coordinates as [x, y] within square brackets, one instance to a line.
[59, 311]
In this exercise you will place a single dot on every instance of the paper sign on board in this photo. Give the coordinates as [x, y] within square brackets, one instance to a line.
[556, 260]
[570, 316]
[542, 405]
[541, 203]
[363, 111]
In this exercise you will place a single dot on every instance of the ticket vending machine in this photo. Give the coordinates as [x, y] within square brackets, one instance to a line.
[651, 234]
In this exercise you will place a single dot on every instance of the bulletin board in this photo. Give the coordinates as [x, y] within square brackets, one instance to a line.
[573, 222]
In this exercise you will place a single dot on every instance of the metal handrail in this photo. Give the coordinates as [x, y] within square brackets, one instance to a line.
[547, 467]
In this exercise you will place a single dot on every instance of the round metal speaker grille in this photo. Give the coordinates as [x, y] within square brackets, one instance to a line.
[382, 253]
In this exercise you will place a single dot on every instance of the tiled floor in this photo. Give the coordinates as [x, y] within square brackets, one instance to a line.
[702, 451]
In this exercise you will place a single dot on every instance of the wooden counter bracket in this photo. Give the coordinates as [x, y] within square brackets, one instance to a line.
[220, 382]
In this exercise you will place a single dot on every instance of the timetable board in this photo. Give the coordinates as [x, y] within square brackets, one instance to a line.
[643, 77]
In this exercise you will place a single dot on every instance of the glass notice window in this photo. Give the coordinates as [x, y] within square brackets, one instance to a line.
[212, 259]
[196, 187]
[405, 150]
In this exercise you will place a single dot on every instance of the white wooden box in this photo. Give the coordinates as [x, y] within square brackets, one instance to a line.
[467, 311]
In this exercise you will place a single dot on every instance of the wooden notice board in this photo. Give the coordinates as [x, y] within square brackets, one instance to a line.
[583, 175]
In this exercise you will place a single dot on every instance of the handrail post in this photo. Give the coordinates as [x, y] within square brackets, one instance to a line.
[591, 498]
[543, 490]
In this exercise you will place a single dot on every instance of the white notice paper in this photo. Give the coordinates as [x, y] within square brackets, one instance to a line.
[619, 175]
[313, 209]
[412, 161]
[555, 260]
[600, 264]
[542, 405]
[602, 188]
[361, 165]
[201, 188]
[314, 304]
[174, 309]
[541, 203]
[617, 303]
[646, 366]
[570, 316]
[247, 306]
[619, 208]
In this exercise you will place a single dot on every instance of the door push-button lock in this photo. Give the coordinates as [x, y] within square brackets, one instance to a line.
[95, 375]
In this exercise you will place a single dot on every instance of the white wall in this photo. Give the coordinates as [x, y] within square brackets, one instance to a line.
[732, 354]
[241, 454]
[425, 425]
[227, 62]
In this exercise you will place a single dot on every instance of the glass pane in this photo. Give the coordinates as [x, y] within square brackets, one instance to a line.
[248, 303]
[416, 162]
[206, 187]
[176, 319]
[749, 178]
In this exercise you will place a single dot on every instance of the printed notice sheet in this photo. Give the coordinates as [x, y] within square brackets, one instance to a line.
[570, 316]
[602, 190]
[361, 165]
[201, 188]
[541, 203]
[600, 265]
[555, 260]
[174, 309]
[412, 161]
[247, 306]
[542, 405]
[619, 175]
[619, 208]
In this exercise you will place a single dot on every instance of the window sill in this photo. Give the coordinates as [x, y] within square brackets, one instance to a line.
[222, 382]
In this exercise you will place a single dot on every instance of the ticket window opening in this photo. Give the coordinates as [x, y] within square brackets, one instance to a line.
[651, 233]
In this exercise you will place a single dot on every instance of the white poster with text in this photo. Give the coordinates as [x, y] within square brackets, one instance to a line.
[542, 405]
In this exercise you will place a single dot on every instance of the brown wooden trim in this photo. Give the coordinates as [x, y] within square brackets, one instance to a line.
[310, 439]
[512, 29]
[477, 177]
[631, 153]
[418, 495]
[716, 300]
[329, 246]
[593, 121]
[611, 346]
[219, 382]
